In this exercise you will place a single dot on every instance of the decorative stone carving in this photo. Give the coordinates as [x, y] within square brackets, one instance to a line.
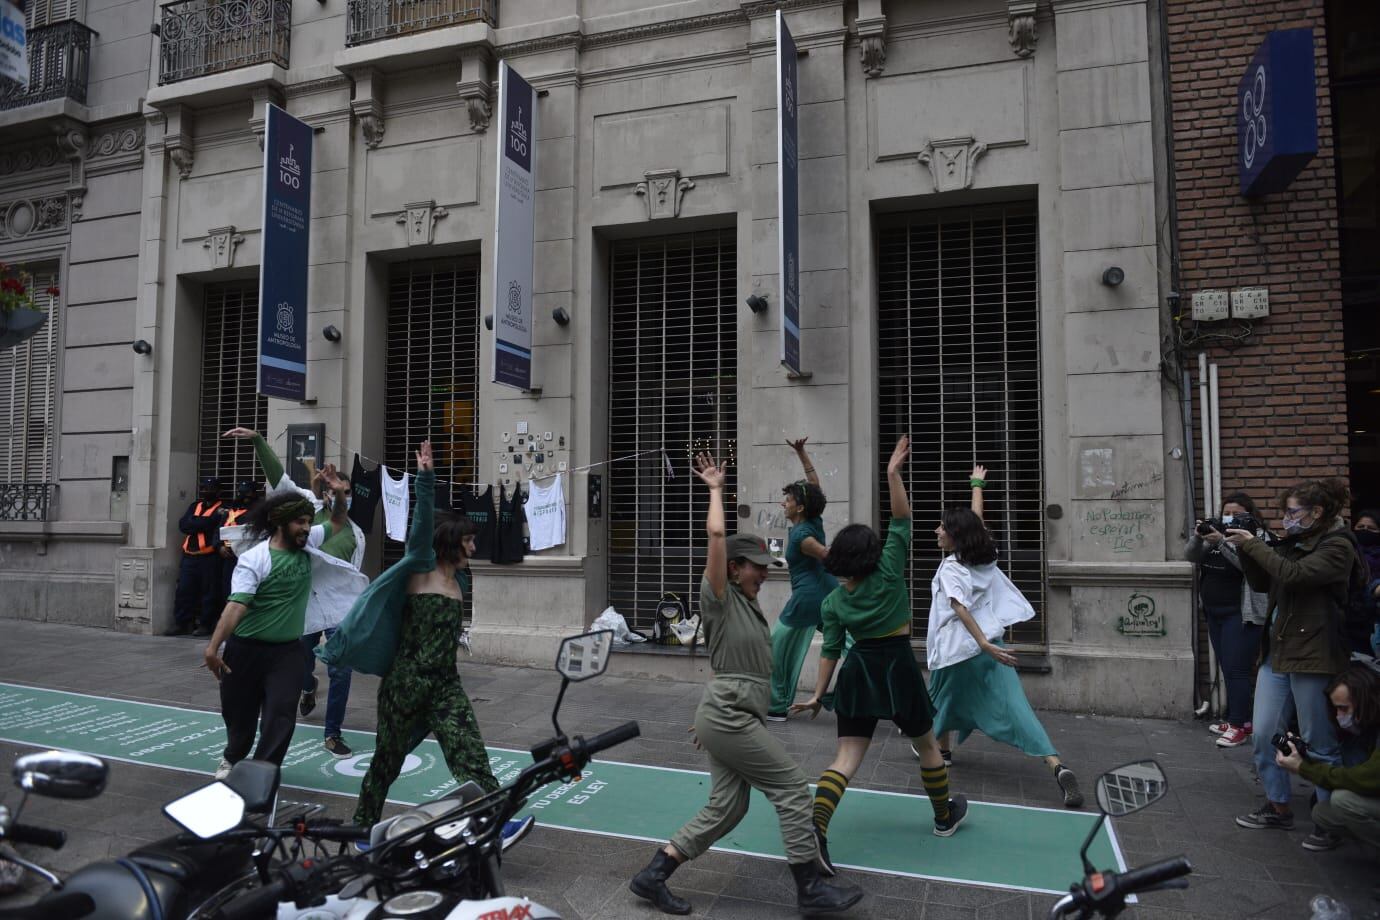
[420, 218]
[72, 142]
[122, 140]
[183, 157]
[952, 162]
[26, 217]
[663, 190]
[177, 139]
[871, 25]
[258, 119]
[481, 111]
[1022, 32]
[36, 156]
[475, 88]
[222, 241]
[371, 127]
[367, 106]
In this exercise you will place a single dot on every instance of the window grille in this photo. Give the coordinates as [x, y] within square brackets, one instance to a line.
[229, 384]
[959, 370]
[432, 378]
[28, 390]
[673, 378]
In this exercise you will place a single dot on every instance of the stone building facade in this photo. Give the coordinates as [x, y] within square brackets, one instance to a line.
[969, 174]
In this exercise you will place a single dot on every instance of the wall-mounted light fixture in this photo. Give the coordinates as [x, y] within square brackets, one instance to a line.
[489, 321]
[142, 347]
[331, 333]
[561, 317]
[1113, 276]
[757, 303]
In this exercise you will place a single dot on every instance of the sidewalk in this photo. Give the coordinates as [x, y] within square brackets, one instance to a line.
[1238, 873]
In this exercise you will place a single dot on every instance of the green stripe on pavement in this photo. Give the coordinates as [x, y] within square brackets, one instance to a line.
[1006, 846]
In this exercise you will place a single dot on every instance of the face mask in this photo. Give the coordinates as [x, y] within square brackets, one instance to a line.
[1367, 538]
[1347, 722]
[1293, 526]
[349, 500]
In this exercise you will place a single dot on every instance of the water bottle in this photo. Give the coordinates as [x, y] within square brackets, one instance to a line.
[1326, 908]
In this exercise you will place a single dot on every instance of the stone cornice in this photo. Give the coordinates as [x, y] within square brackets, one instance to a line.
[1120, 574]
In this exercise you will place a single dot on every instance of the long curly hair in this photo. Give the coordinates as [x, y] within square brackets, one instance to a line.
[1362, 682]
[267, 517]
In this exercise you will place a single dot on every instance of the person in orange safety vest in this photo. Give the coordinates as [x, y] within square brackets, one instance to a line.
[199, 581]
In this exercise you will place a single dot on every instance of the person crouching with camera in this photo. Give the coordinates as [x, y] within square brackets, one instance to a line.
[1234, 612]
[1353, 811]
[1307, 576]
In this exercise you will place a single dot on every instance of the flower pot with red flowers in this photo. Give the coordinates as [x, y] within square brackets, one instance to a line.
[20, 315]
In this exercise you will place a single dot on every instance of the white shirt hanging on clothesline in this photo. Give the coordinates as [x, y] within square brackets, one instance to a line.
[395, 504]
[545, 507]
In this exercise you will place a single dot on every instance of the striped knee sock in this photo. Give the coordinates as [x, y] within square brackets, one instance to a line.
[832, 785]
[936, 782]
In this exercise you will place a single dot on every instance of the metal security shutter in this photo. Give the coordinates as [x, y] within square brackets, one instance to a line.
[229, 372]
[432, 378]
[28, 391]
[39, 13]
[959, 370]
[673, 379]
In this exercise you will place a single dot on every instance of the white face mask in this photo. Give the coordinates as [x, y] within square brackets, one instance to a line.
[349, 500]
[1346, 722]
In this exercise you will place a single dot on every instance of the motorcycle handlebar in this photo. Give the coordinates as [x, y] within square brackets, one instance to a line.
[256, 903]
[614, 736]
[1133, 880]
[38, 836]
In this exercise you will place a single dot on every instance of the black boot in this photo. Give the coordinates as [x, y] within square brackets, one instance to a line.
[650, 883]
[815, 895]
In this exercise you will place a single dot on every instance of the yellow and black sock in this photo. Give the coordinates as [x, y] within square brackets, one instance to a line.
[832, 785]
[937, 788]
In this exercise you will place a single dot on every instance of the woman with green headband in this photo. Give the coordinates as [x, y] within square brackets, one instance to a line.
[803, 502]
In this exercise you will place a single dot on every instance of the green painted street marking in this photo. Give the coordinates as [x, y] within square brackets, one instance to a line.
[1002, 846]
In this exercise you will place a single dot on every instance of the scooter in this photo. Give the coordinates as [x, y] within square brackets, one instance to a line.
[439, 861]
[1123, 791]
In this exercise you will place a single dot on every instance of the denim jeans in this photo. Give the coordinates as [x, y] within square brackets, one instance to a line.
[1277, 698]
[339, 692]
[1237, 644]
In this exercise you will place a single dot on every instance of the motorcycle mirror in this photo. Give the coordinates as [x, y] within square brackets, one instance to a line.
[61, 774]
[585, 656]
[1131, 787]
[209, 811]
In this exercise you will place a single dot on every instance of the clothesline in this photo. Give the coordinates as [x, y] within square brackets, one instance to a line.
[670, 470]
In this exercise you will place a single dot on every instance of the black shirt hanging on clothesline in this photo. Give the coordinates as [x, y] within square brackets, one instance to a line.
[508, 542]
[366, 488]
[480, 509]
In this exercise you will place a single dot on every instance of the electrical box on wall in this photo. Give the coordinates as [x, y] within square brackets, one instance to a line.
[1209, 306]
[1250, 303]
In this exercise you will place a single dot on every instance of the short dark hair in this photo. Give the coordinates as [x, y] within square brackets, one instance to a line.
[1362, 682]
[808, 496]
[854, 553]
[1367, 513]
[972, 543]
[447, 539]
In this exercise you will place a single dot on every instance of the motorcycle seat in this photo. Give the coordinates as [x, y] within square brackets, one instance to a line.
[256, 781]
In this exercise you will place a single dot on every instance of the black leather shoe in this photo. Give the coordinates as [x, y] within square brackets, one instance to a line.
[816, 895]
[650, 883]
[826, 865]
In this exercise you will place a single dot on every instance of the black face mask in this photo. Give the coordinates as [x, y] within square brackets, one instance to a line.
[1367, 537]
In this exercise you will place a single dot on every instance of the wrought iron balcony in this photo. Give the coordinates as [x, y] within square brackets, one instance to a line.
[371, 20]
[59, 58]
[200, 37]
[26, 501]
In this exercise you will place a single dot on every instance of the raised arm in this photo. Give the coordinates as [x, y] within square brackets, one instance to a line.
[419, 537]
[977, 480]
[798, 446]
[336, 498]
[900, 503]
[716, 561]
[272, 466]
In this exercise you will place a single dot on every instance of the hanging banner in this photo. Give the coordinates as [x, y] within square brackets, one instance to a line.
[1277, 120]
[787, 195]
[14, 48]
[283, 273]
[514, 214]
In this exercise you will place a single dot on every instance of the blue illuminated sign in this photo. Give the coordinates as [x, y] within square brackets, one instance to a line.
[1277, 113]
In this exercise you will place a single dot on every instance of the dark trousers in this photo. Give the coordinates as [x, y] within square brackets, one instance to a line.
[198, 599]
[338, 694]
[260, 692]
[1237, 644]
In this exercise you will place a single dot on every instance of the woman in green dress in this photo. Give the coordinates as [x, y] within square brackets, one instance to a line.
[803, 503]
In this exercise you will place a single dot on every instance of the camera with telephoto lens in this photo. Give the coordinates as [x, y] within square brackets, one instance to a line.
[1222, 525]
[1284, 739]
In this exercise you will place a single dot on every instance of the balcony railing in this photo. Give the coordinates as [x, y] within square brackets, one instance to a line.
[59, 58]
[26, 501]
[371, 20]
[200, 37]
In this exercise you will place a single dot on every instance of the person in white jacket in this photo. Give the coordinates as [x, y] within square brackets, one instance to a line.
[973, 679]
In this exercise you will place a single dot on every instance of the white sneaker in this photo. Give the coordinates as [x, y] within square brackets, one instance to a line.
[223, 770]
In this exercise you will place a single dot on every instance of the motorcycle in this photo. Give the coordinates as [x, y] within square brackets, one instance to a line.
[439, 861]
[1123, 791]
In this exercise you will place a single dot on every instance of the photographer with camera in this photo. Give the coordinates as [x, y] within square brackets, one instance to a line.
[1307, 576]
[1354, 808]
[1234, 612]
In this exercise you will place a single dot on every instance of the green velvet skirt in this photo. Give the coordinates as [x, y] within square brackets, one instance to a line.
[881, 679]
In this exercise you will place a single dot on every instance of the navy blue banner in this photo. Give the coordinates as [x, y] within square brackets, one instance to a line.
[788, 194]
[514, 224]
[286, 238]
[1277, 113]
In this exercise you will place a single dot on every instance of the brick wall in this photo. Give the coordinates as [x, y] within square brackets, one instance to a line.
[1283, 393]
